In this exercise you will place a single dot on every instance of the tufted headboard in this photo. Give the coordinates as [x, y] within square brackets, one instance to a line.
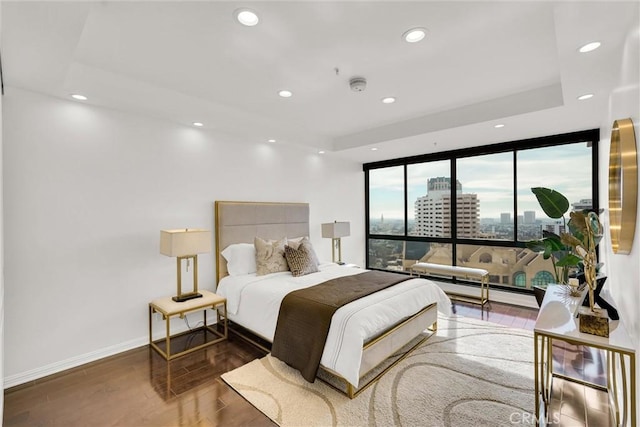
[240, 222]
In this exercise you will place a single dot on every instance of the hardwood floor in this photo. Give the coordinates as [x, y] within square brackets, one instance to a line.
[139, 388]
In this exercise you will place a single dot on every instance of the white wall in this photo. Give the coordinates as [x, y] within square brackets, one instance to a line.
[623, 271]
[1, 263]
[87, 191]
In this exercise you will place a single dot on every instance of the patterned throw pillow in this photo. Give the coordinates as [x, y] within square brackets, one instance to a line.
[270, 256]
[304, 241]
[300, 260]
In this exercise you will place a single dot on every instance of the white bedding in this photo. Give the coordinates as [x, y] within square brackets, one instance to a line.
[254, 302]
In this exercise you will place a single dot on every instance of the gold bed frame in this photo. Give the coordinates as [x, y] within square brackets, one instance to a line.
[240, 222]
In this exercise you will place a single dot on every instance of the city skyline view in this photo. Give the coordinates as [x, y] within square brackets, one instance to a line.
[492, 202]
[491, 178]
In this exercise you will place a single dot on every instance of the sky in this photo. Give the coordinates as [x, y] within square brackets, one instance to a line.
[565, 168]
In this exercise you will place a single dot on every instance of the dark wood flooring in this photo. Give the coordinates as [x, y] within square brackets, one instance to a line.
[139, 388]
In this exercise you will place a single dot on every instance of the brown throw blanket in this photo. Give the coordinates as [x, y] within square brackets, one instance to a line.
[305, 316]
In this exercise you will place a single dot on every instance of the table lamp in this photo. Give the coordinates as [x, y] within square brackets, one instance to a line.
[185, 244]
[334, 231]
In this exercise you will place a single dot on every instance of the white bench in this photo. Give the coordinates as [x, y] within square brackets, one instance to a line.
[465, 272]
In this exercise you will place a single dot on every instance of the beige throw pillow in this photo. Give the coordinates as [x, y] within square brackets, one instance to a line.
[270, 256]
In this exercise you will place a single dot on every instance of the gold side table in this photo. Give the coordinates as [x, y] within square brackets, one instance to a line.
[170, 308]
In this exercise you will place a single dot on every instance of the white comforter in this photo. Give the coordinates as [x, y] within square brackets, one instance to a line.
[254, 302]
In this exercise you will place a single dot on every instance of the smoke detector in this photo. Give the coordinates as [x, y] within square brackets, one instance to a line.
[358, 84]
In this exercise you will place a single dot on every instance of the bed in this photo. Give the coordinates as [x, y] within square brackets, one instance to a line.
[362, 334]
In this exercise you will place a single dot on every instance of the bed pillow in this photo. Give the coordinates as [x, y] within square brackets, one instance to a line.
[241, 259]
[300, 260]
[295, 244]
[270, 256]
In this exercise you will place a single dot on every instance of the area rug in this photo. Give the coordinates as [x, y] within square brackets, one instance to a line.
[471, 373]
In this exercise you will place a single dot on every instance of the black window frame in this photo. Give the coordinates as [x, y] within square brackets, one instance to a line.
[590, 136]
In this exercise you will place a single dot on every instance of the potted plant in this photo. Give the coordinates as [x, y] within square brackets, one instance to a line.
[571, 248]
[575, 248]
[555, 205]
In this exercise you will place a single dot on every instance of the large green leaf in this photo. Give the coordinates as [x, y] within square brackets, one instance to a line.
[554, 204]
[542, 246]
[570, 260]
[554, 238]
[549, 245]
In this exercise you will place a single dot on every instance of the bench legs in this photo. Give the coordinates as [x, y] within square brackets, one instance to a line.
[482, 299]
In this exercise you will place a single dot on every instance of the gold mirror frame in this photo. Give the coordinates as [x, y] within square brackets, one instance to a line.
[623, 186]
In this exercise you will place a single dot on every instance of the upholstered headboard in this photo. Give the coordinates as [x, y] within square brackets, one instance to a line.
[240, 222]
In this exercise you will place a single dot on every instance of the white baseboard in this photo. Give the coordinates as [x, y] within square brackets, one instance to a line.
[53, 368]
[523, 300]
[73, 362]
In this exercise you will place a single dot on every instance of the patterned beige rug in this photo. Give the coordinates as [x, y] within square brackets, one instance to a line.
[471, 373]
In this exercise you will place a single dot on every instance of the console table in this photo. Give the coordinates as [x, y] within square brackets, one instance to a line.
[557, 321]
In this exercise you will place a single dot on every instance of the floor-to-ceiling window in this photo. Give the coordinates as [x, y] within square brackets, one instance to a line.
[474, 207]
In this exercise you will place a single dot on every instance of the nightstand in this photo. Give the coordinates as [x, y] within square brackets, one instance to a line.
[170, 308]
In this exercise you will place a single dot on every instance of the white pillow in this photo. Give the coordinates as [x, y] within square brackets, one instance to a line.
[241, 258]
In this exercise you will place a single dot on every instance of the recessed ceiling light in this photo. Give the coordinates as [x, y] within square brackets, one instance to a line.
[321, 152]
[198, 124]
[498, 126]
[388, 100]
[414, 35]
[585, 96]
[246, 17]
[374, 149]
[79, 97]
[589, 47]
[285, 93]
[271, 140]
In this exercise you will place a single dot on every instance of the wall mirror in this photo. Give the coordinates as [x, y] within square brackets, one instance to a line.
[623, 186]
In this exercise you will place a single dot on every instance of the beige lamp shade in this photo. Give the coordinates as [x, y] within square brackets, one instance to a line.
[185, 241]
[335, 230]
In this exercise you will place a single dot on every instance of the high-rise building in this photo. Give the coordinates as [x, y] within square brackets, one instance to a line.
[433, 211]
[529, 217]
[583, 204]
[556, 228]
[505, 218]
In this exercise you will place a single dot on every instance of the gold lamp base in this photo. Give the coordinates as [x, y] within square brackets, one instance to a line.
[186, 296]
[336, 243]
